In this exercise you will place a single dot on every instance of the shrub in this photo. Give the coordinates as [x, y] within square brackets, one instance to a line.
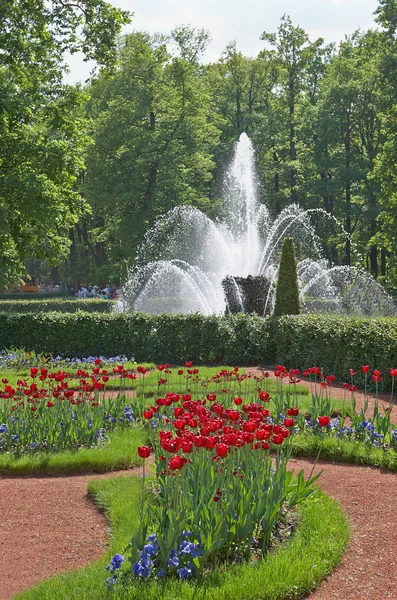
[51, 304]
[34, 295]
[287, 291]
[240, 339]
[338, 343]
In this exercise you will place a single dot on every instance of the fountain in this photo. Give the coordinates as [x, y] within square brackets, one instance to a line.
[189, 263]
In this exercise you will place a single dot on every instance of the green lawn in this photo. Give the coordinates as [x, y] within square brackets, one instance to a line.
[119, 453]
[294, 570]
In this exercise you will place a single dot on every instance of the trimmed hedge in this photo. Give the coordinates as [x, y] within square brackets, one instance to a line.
[338, 343]
[287, 289]
[55, 304]
[334, 343]
[33, 295]
[237, 339]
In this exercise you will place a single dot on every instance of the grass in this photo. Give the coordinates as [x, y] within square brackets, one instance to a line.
[346, 451]
[119, 453]
[293, 571]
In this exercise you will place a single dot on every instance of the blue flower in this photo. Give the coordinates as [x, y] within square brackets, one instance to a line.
[140, 570]
[186, 547]
[3, 428]
[185, 572]
[116, 562]
[173, 560]
[153, 538]
[151, 549]
[110, 581]
[145, 559]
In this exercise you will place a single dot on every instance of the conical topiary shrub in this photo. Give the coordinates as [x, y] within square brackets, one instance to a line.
[287, 290]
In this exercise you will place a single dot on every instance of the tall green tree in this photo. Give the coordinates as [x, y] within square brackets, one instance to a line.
[41, 131]
[153, 142]
[295, 55]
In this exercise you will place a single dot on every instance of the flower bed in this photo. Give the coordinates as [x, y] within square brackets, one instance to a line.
[222, 481]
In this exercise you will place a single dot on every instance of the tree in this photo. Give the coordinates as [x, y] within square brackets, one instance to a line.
[295, 55]
[41, 122]
[287, 290]
[153, 143]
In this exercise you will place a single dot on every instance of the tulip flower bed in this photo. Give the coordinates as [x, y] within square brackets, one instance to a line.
[221, 477]
[49, 413]
[219, 491]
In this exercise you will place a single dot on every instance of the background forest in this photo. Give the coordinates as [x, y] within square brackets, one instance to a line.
[84, 171]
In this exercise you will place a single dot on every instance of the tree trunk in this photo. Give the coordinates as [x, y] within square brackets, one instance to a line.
[383, 255]
[292, 148]
[348, 224]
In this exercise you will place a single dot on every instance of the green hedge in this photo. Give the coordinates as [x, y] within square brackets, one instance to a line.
[300, 341]
[33, 295]
[338, 343]
[236, 339]
[54, 304]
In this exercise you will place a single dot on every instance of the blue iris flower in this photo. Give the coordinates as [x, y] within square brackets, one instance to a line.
[185, 572]
[173, 560]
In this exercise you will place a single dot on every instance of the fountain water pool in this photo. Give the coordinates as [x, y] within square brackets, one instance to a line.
[186, 256]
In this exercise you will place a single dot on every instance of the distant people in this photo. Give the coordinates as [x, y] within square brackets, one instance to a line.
[84, 292]
[94, 291]
[80, 294]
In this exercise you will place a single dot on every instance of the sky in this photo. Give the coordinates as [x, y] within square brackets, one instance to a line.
[241, 20]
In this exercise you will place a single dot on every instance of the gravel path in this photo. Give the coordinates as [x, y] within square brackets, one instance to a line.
[48, 525]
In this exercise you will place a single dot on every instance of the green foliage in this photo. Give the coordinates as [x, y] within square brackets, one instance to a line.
[337, 344]
[55, 304]
[294, 570]
[153, 144]
[287, 290]
[41, 123]
[120, 453]
[237, 339]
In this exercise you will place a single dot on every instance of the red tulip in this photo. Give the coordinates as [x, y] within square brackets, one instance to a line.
[289, 422]
[237, 401]
[365, 368]
[293, 411]
[221, 450]
[323, 421]
[33, 371]
[278, 439]
[177, 462]
[188, 364]
[144, 451]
